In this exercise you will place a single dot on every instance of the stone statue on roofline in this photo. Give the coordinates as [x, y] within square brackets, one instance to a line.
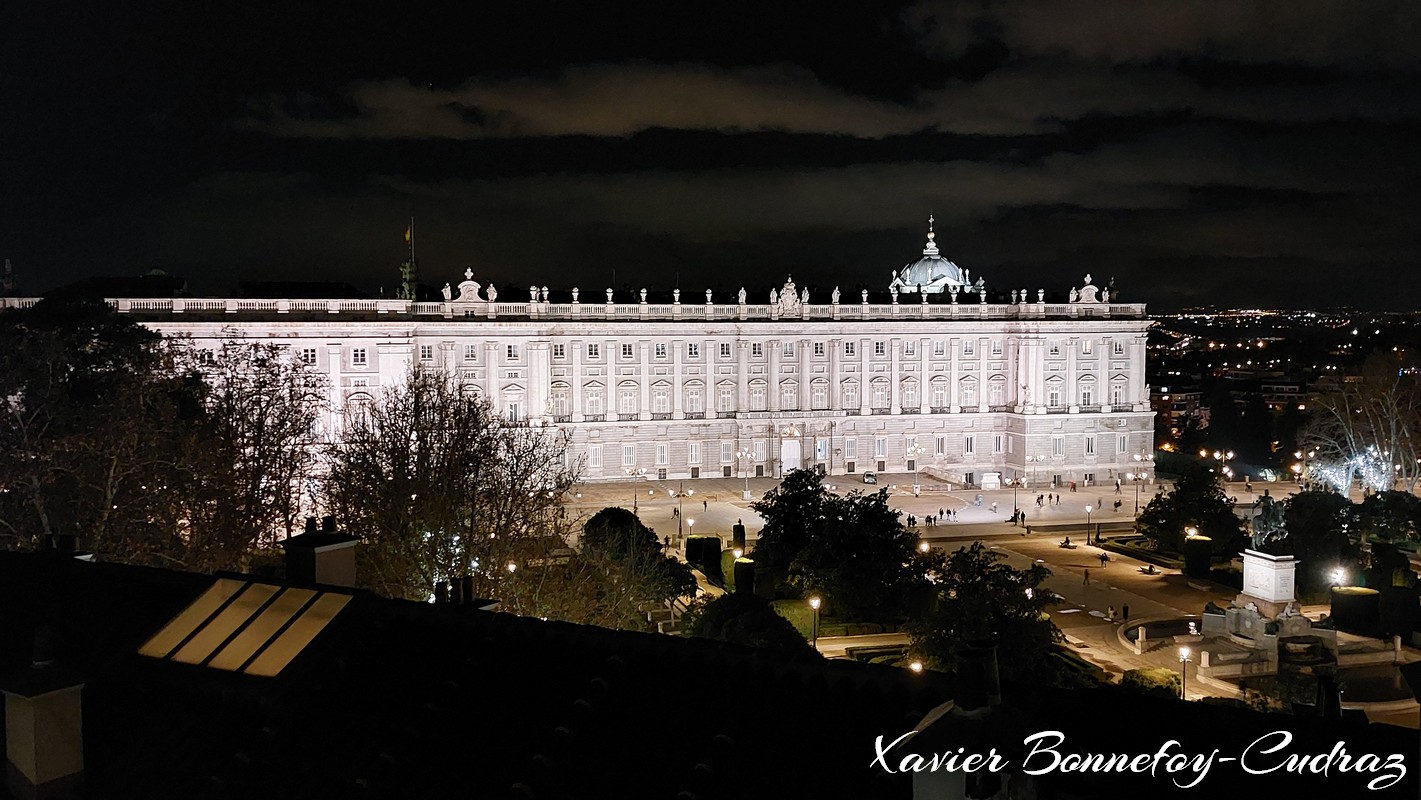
[447, 291]
[741, 297]
[834, 296]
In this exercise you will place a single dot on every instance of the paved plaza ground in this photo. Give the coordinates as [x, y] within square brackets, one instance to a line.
[717, 504]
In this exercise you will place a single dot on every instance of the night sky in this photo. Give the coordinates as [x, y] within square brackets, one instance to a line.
[1261, 154]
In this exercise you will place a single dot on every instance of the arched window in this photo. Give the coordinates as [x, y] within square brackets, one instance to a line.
[594, 399]
[694, 398]
[757, 396]
[939, 393]
[1087, 391]
[557, 399]
[997, 391]
[819, 394]
[789, 396]
[1117, 390]
[910, 393]
[628, 402]
[661, 398]
[880, 393]
[1053, 393]
[968, 392]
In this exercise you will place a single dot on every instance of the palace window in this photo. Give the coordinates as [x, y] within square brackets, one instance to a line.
[757, 398]
[819, 395]
[308, 356]
[627, 404]
[594, 351]
[880, 394]
[787, 349]
[626, 351]
[1058, 446]
[1090, 445]
[1086, 346]
[426, 352]
[725, 398]
[1117, 347]
[661, 400]
[910, 393]
[471, 352]
[512, 352]
[969, 392]
[996, 393]
[849, 349]
[727, 452]
[725, 349]
[757, 350]
[789, 396]
[592, 400]
[939, 393]
[693, 452]
[851, 448]
[880, 348]
[629, 455]
[969, 347]
[939, 348]
[594, 456]
[660, 349]
[357, 357]
[559, 351]
[969, 445]
[693, 350]
[819, 349]
[910, 348]
[851, 394]
[693, 399]
[663, 454]
[996, 347]
[880, 447]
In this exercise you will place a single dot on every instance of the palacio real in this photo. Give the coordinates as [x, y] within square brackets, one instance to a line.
[939, 373]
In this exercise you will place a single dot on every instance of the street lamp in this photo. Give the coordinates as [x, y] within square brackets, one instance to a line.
[1339, 576]
[814, 604]
[1139, 475]
[1183, 673]
[635, 472]
[1088, 509]
[680, 495]
[915, 450]
[744, 455]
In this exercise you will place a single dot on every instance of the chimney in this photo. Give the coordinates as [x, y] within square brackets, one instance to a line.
[324, 557]
[44, 727]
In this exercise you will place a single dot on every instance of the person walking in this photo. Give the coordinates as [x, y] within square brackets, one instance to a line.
[1085, 580]
[705, 505]
[1104, 559]
[1110, 614]
[1125, 613]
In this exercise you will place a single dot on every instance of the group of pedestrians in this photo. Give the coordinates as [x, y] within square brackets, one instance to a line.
[1048, 499]
[932, 520]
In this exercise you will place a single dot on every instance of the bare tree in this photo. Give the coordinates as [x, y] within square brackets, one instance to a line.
[261, 409]
[1369, 425]
[440, 487]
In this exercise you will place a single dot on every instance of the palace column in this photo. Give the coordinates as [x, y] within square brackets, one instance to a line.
[774, 375]
[575, 378]
[678, 381]
[491, 376]
[895, 347]
[806, 369]
[742, 400]
[644, 378]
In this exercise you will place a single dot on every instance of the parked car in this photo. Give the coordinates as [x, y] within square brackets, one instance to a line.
[870, 477]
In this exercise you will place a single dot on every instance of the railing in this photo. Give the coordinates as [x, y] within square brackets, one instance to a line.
[939, 309]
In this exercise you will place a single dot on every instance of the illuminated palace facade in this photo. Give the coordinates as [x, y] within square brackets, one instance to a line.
[929, 376]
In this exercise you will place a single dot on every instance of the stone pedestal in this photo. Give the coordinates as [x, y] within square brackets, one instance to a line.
[1268, 582]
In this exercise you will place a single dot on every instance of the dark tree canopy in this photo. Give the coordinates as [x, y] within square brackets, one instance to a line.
[1196, 501]
[978, 597]
[1316, 522]
[851, 549]
[743, 618]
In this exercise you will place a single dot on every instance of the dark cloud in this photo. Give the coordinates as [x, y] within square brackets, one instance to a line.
[1220, 152]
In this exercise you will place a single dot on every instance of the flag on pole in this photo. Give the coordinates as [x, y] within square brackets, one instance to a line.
[409, 233]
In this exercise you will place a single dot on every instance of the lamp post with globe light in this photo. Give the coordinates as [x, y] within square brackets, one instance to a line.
[915, 450]
[635, 472]
[744, 455]
[814, 636]
[1183, 673]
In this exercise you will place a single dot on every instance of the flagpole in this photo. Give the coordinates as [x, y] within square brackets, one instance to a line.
[411, 239]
